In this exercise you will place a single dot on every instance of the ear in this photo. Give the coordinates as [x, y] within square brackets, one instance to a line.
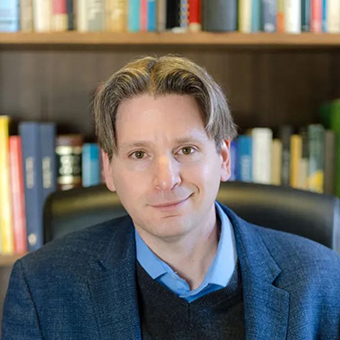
[225, 161]
[107, 167]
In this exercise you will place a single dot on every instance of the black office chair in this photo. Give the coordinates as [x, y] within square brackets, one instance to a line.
[311, 215]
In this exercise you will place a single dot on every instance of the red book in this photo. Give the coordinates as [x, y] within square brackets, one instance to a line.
[316, 16]
[59, 7]
[17, 195]
[194, 15]
[144, 15]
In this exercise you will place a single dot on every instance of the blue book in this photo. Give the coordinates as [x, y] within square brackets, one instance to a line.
[151, 15]
[134, 16]
[233, 155]
[48, 158]
[90, 164]
[256, 15]
[244, 161]
[305, 15]
[31, 153]
[9, 15]
[269, 15]
[324, 15]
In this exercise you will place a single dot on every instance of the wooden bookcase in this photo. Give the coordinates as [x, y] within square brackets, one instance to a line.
[269, 79]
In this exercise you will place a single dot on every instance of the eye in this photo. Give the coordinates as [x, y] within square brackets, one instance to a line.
[187, 150]
[138, 154]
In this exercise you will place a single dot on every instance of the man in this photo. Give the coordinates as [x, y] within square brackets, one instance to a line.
[180, 266]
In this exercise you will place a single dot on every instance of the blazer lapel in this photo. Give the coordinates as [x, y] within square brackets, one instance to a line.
[266, 307]
[113, 287]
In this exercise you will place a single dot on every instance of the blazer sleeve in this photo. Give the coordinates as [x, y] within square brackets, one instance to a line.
[19, 320]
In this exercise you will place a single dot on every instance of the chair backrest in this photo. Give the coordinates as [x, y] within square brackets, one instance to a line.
[311, 215]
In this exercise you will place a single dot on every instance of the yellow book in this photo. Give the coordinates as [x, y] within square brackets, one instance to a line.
[295, 160]
[116, 15]
[7, 237]
[244, 16]
[276, 161]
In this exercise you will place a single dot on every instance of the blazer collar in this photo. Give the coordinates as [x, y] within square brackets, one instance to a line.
[114, 289]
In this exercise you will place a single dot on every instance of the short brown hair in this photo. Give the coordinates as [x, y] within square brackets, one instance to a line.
[161, 76]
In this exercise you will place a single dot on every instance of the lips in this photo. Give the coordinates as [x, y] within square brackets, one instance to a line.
[170, 205]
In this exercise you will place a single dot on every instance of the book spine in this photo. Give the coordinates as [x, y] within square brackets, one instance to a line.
[95, 15]
[304, 162]
[161, 15]
[245, 16]
[48, 159]
[195, 16]
[29, 133]
[316, 133]
[42, 11]
[329, 162]
[173, 14]
[9, 16]
[70, 15]
[276, 161]
[7, 238]
[269, 14]
[293, 16]
[233, 156]
[244, 159]
[221, 16]
[26, 15]
[305, 15]
[256, 16]
[335, 126]
[316, 16]
[143, 15]
[152, 11]
[133, 16]
[333, 16]
[81, 16]
[295, 159]
[59, 16]
[183, 15]
[262, 148]
[90, 164]
[285, 133]
[280, 19]
[116, 12]
[17, 195]
[324, 19]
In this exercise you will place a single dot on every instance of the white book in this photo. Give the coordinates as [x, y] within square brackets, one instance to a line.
[292, 16]
[26, 15]
[262, 154]
[333, 16]
[81, 17]
[245, 16]
[42, 15]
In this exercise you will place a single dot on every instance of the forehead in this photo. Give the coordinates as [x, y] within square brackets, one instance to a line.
[163, 117]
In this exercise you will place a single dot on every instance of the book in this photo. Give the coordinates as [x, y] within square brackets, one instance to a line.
[233, 158]
[244, 159]
[244, 16]
[173, 14]
[329, 163]
[90, 164]
[256, 15]
[305, 15]
[280, 20]
[269, 15]
[81, 15]
[292, 16]
[69, 157]
[304, 161]
[335, 126]
[183, 15]
[59, 20]
[9, 15]
[220, 16]
[285, 132]
[133, 15]
[26, 15]
[324, 20]
[276, 165]
[42, 11]
[333, 16]
[95, 15]
[195, 16]
[262, 149]
[31, 152]
[7, 237]
[143, 26]
[70, 5]
[152, 13]
[17, 195]
[316, 16]
[116, 14]
[316, 134]
[161, 15]
[295, 160]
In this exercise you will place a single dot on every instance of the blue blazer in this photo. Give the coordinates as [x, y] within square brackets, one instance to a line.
[83, 286]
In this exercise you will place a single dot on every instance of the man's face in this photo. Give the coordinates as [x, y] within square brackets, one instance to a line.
[167, 170]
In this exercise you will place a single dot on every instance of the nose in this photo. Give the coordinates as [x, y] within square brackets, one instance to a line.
[166, 173]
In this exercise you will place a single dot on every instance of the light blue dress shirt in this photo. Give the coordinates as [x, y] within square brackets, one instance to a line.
[217, 276]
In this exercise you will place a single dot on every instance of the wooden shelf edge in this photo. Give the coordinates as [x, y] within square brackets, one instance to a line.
[8, 260]
[169, 38]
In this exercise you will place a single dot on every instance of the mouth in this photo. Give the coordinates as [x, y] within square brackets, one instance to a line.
[171, 205]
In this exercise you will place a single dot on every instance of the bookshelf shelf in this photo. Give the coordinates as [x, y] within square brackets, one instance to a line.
[8, 260]
[236, 39]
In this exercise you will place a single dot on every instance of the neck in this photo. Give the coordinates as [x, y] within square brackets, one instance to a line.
[191, 255]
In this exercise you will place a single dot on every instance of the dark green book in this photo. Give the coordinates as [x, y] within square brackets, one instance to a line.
[285, 133]
[335, 126]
